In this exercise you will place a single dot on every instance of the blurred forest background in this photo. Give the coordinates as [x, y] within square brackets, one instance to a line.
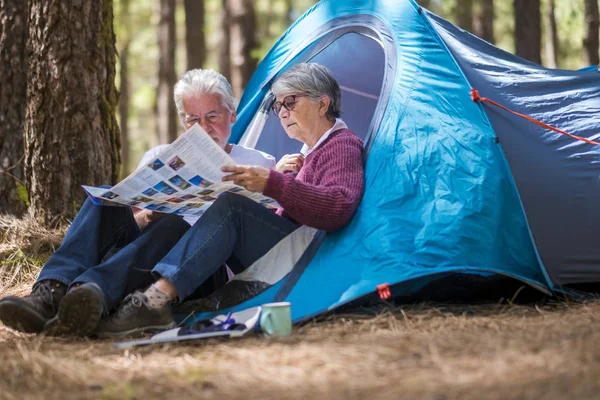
[147, 45]
[560, 26]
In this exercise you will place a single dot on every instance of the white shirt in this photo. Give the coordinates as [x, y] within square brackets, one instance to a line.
[339, 124]
[239, 154]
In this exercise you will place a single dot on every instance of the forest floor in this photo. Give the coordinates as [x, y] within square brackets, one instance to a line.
[498, 350]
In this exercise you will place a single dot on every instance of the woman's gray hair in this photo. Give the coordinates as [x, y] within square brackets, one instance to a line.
[311, 79]
[203, 81]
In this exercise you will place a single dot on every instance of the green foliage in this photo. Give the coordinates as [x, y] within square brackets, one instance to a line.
[570, 22]
[19, 258]
[504, 25]
[22, 193]
[17, 267]
[119, 391]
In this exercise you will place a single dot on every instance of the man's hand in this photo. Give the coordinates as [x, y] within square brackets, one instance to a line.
[144, 217]
[250, 178]
[290, 162]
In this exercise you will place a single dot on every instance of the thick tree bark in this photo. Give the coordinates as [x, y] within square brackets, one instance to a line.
[464, 14]
[71, 133]
[165, 105]
[225, 40]
[13, 85]
[483, 23]
[528, 30]
[551, 40]
[590, 35]
[195, 41]
[243, 41]
[124, 94]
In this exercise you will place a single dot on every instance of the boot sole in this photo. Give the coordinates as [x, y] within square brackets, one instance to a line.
[78, 314]
[17, 315]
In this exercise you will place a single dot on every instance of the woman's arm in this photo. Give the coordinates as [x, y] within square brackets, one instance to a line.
[330, 204]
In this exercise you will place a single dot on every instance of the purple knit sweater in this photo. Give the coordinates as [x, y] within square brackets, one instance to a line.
[328, 188]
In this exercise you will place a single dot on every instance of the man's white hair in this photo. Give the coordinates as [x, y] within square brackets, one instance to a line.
[203, 81]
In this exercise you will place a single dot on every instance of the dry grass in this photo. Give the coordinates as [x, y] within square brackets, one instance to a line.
[24, 247]
[421, 351]
[413, 352]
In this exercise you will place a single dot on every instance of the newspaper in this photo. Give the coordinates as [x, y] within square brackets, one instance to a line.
[184, 179]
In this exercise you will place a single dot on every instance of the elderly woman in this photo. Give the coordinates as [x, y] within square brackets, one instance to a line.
[323, 194]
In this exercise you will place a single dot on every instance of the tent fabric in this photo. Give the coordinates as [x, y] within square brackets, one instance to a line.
[450, 185]
[556, 176]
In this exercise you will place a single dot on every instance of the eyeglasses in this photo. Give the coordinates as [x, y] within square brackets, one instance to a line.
[289, 103]
[191, 119]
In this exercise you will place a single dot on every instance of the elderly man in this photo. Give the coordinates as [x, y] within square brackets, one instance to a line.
[110, 251]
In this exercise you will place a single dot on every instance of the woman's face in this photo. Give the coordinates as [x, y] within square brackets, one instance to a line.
[299, 115]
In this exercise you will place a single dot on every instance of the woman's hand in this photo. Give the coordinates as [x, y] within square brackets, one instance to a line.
[144, 217]
[290, 162]
[250, 178]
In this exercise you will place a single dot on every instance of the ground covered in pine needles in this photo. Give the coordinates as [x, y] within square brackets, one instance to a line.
[497, 350]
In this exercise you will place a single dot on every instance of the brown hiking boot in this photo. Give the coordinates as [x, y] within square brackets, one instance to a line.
[29, 314]
[79, 311]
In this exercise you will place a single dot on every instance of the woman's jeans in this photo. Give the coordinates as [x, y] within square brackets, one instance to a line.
[234, 230]
[98, 230]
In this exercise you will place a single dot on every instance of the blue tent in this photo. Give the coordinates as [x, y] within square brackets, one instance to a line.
[452, 185]
[591, 68]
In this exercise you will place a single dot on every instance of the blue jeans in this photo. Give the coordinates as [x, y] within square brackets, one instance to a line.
[96, 230]
[234, 230]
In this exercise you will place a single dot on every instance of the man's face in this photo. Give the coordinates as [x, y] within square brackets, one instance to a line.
[210, 113]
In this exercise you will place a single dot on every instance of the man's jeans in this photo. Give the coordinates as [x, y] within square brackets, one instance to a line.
[98, 229]
[234, 230]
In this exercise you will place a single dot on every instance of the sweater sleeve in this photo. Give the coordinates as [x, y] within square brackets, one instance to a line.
[330, 204]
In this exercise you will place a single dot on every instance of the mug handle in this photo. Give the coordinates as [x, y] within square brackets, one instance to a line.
[268, 329]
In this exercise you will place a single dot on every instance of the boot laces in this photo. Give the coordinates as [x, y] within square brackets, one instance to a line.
[132, 300]
[45, 292]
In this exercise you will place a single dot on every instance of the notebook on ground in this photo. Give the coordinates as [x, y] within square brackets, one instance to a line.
[232, 325]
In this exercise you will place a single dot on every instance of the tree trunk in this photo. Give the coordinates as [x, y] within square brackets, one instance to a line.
[289, 9]
[71, 132]
[166, 116]
[484, 21]
[225, 40]
[590, 35]
[13, 85]
[195, 41]
[242, 43]
[551, 39]
[124, 108]
[528, 31]
[464, 14]
[267, 18]
[124, 94]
